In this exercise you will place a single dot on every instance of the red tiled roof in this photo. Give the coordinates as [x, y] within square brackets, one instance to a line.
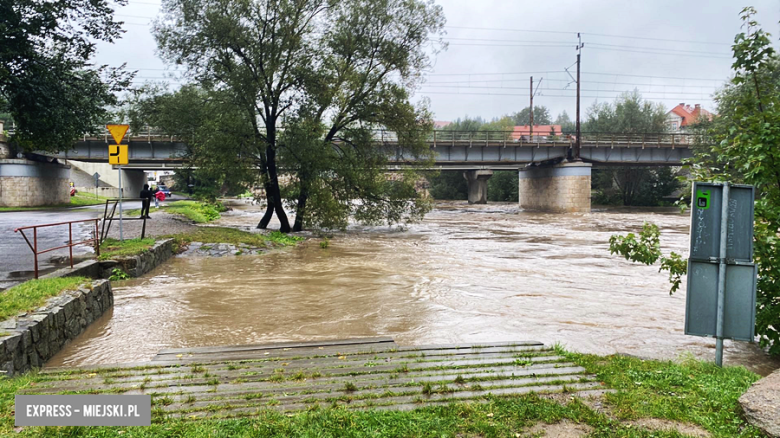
[538, 130]
[440, 124]
[690, 114]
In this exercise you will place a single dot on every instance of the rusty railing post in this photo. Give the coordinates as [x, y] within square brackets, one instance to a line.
[97, 238]
[70, 243]
[35, 250]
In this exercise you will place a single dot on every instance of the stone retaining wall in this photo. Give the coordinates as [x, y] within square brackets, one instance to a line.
[25, 183]
[33, 338]
[141, 264]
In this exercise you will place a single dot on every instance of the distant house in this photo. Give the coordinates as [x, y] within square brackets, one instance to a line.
[539, 131]
[684, 115]
[439, 124]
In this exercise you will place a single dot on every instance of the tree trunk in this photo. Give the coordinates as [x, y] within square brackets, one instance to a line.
[300, 211]
[269, 210]
[273, 190]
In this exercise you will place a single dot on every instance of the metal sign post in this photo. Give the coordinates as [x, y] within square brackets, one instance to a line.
[118, 155]
[724, 223]
[97, 183]
[721, 293]
[121, 236]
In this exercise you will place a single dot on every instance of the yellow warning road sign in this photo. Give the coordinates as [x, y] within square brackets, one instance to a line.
[117, 154]
[118, 132]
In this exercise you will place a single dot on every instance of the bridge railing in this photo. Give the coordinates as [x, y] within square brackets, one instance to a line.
[445, 136]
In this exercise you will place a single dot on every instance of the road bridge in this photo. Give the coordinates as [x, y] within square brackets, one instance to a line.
[546, 181]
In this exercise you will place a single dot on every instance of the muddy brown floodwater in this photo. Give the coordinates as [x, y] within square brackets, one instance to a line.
[466, 274]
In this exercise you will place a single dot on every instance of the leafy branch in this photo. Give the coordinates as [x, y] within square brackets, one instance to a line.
[646, 249]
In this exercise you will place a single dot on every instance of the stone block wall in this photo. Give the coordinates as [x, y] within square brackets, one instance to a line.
[25, 183]
[564, 188]
[141, 264]
[30, 339]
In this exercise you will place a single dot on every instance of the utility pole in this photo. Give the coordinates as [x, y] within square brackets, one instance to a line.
[577, 144]
[532, 108]
[532, 103]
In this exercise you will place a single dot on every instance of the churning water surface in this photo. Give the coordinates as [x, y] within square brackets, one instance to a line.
[465, 274]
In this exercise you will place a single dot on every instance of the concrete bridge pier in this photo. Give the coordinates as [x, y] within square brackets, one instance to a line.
[477, 180]
[560, 188]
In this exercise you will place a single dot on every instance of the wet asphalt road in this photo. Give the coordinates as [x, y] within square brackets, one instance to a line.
[16, 258]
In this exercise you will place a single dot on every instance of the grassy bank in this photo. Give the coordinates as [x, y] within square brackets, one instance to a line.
[698, 394]
[78, 200]
[112, 248]
[198, 212]
[32, 294]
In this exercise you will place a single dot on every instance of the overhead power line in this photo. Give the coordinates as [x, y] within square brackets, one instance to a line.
[590, 90]
[592, 46]
[668, 40]
[567, 96]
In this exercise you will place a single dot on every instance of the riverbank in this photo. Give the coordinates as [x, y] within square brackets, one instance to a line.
[113, 248]
[647, 398]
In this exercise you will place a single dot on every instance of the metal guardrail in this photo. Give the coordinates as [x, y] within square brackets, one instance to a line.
[34, 245]
[476, 137]
[108, 217]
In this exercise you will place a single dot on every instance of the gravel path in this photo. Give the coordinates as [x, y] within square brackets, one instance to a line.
[159, 225]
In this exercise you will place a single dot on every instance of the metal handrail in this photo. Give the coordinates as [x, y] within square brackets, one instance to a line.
[109, 217]
[472, 137]
[34, 245]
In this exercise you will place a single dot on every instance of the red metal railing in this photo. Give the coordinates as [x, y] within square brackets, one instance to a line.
[34, 245]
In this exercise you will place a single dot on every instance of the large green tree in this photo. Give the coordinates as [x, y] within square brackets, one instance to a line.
[217, 134]
[313, 78]
[745, 139]
[740, 146]
[630, 185]
[567, 125]
[47, 85]
[541, 116]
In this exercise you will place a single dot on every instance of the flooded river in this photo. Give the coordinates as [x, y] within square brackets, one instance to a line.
[466, 274]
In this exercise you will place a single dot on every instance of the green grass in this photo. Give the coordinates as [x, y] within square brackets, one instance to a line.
[691, 392]
[81, 198]
[78, 200]
[33, 294]
[213, 235]
[112, 248]
[195, 211]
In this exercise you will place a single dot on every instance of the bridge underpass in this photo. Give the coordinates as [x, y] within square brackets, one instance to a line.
[546, 181]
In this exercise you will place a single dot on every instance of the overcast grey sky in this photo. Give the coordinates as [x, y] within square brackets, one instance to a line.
[671, 51]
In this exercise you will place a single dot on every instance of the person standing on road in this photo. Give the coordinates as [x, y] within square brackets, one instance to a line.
[159, 196]
[146, 201]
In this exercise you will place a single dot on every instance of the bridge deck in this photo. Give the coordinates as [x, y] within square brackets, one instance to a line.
[373, 373]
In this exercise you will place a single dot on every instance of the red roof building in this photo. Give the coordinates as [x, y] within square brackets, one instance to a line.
[539, 130]
[438, 124]
[683, 115]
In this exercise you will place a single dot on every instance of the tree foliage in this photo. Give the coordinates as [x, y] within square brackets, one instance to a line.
[503, 186]
[449, 185]
[312, 79]
[640, 186]
[746, 139]
[743, 148]
[46, 82]
[567, 125]
[541, 116]
[217, 134]
[647, 250]
[630, 114]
